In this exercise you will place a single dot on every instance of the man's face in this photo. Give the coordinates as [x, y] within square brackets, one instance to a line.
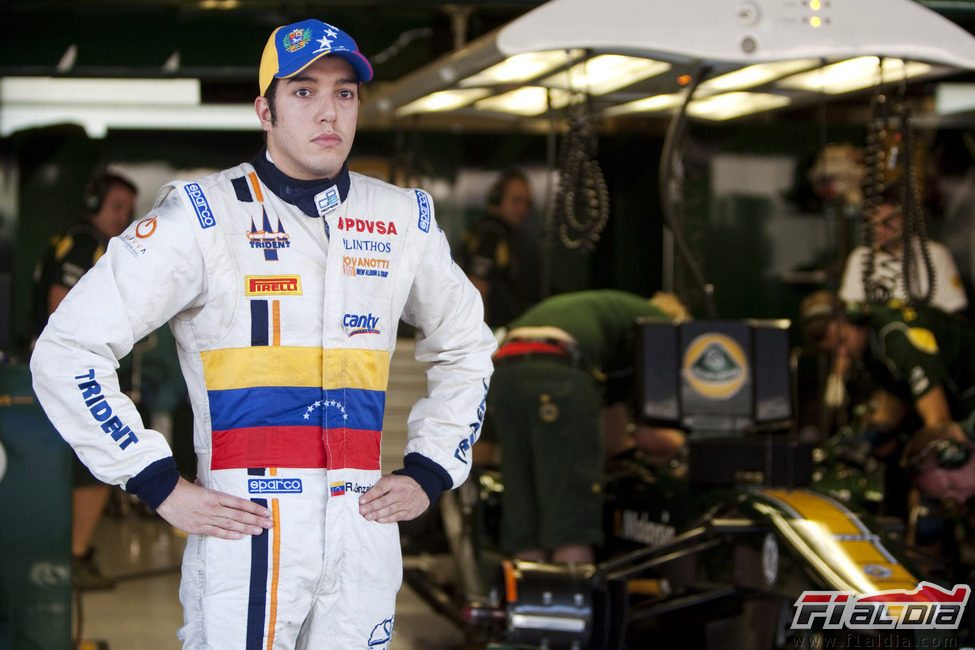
[316, 114]
[115, 212]
[948, 484]
[516, 202]
[844, 339]
[887, 222]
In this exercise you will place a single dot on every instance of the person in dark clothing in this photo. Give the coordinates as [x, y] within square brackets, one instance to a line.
[919, 356]
[497, 256]
[109, 203]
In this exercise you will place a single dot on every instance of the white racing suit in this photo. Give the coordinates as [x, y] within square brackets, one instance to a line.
[285, 327]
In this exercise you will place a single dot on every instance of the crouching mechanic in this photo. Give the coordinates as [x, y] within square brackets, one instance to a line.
[919, 357]
[558, 406]
[283, 280]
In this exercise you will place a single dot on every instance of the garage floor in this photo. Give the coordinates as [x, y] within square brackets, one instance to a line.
[143, 611]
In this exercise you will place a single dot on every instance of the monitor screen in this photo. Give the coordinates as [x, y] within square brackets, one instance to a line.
[713, 375]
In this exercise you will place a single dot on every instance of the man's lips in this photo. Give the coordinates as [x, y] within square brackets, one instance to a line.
[327, 139]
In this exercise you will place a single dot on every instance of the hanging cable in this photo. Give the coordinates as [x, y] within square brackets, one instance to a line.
[581, 205]
[670, 192]
[915, 226]
[890, 158]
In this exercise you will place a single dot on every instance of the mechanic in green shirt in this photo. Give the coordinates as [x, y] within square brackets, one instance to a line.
[562, 378]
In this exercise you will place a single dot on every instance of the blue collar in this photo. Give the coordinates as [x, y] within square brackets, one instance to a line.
[303, 194]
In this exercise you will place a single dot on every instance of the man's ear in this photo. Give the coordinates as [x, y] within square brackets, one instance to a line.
[263, 110]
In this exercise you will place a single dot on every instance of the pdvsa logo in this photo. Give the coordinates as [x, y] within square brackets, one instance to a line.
[367, 225]
[929, 607]
[360, 324]
[715, 365]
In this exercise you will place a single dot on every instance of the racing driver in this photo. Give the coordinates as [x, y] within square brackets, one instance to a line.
[283, 280]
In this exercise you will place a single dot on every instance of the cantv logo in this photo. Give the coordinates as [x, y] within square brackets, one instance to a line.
[929, 607]
[360, 324]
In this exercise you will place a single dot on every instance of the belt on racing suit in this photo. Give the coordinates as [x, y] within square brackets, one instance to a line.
[524, 343]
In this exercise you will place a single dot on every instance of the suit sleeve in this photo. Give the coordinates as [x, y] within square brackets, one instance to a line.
[150, 273]
[453, 338]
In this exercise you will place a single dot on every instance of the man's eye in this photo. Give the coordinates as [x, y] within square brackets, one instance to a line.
[302, 92]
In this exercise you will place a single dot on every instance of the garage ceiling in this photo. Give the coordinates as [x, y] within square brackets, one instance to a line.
[220, 41]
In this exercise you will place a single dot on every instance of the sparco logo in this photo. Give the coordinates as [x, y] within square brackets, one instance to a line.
[423, 203]
[929, 607]
[203, 211]
[274, 485]
[366, 225]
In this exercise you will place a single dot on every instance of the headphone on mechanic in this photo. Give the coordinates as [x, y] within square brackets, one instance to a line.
[946, 454]
[97, 189]
[95, 192]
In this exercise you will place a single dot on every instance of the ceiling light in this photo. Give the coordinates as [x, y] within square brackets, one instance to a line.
[97, 119]
[648, 104]
[606, 73]
[735, 104]
[444, 100]
[522, 67]
[854, 74]
[64, 90]
[755, 75]
[527, 101]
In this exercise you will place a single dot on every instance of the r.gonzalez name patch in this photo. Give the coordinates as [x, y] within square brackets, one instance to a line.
[272, 285]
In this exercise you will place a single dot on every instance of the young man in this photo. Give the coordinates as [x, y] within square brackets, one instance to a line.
[108, 204]
[283, 280]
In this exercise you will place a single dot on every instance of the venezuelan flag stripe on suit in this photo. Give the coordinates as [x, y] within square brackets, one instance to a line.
[271, 408]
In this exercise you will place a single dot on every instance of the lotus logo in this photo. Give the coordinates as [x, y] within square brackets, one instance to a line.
[715, 366]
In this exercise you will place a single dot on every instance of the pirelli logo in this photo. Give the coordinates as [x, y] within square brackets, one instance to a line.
[273, 285]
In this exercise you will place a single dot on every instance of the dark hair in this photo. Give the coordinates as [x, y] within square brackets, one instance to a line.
[496, 193]
[816, 312]
[98, 187]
